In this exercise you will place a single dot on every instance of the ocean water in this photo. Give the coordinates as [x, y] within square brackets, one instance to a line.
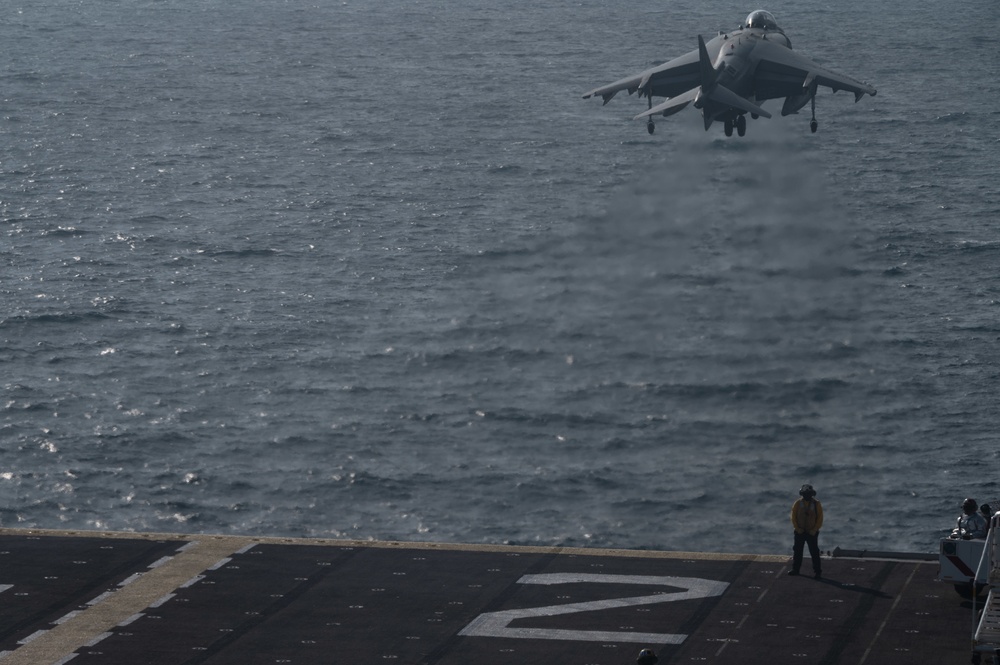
[375, 270]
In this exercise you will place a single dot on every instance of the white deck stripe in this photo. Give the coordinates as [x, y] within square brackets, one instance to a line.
[60, 644]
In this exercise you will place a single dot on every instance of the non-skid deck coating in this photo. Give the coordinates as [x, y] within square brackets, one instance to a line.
[91, 598]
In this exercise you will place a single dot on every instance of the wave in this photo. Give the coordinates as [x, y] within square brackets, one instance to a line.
[59, 318]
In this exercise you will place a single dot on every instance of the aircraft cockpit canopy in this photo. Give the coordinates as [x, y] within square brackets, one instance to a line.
[763, 20]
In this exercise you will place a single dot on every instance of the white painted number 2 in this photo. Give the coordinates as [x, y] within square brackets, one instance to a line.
[497, 624]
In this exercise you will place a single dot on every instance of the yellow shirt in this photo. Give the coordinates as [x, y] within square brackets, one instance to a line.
[807, 516]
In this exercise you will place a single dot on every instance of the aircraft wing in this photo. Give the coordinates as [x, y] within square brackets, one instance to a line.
[667, 80]
[781, 72]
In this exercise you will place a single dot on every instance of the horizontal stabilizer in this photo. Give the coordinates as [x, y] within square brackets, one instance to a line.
[672, 105]
[724, 95]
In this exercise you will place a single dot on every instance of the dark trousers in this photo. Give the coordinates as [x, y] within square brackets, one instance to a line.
[801, 540]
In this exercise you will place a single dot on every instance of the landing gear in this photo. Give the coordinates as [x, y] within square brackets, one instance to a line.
[739, 124]
[813, 125]
[650, 127]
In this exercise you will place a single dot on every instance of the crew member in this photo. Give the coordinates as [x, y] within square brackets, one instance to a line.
[971, 523]
[807, 519]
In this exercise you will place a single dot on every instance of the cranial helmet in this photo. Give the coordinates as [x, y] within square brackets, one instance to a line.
[969, 506]
[807, 491]
[646, 657]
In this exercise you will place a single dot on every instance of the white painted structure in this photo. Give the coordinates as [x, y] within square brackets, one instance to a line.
[987, 636]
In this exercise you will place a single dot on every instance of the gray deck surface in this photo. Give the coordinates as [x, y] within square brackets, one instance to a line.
[91, 598]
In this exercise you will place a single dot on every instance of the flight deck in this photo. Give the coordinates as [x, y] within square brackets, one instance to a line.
[105, 598]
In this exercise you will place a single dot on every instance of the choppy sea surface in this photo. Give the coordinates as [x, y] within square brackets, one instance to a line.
[375, 270]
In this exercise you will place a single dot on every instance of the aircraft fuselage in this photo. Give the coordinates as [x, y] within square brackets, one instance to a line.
[732, 56]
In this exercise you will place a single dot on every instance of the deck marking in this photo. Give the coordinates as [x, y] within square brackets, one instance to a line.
[191, 582]
[899, 597]
[100, 599]
[220, 563]
[34, 636]
[497, 624]
[763, 593]
[59, 644]
[67, 617]
[161, 600]
[131, 578]
[159, 562]
[726, 641]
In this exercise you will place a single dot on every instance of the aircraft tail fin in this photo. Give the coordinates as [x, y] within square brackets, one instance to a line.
[710, 89]
[709, 76]
[715, 91]
[707, 71]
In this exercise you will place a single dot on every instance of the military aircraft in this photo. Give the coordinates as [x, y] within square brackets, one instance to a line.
[732, 74]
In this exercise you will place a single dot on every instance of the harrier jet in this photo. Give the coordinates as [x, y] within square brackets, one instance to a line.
[732, 74]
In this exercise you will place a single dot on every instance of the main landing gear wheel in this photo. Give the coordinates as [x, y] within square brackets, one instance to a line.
[741, 125]
[728, 127]
[650, 127]
[813, 125]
